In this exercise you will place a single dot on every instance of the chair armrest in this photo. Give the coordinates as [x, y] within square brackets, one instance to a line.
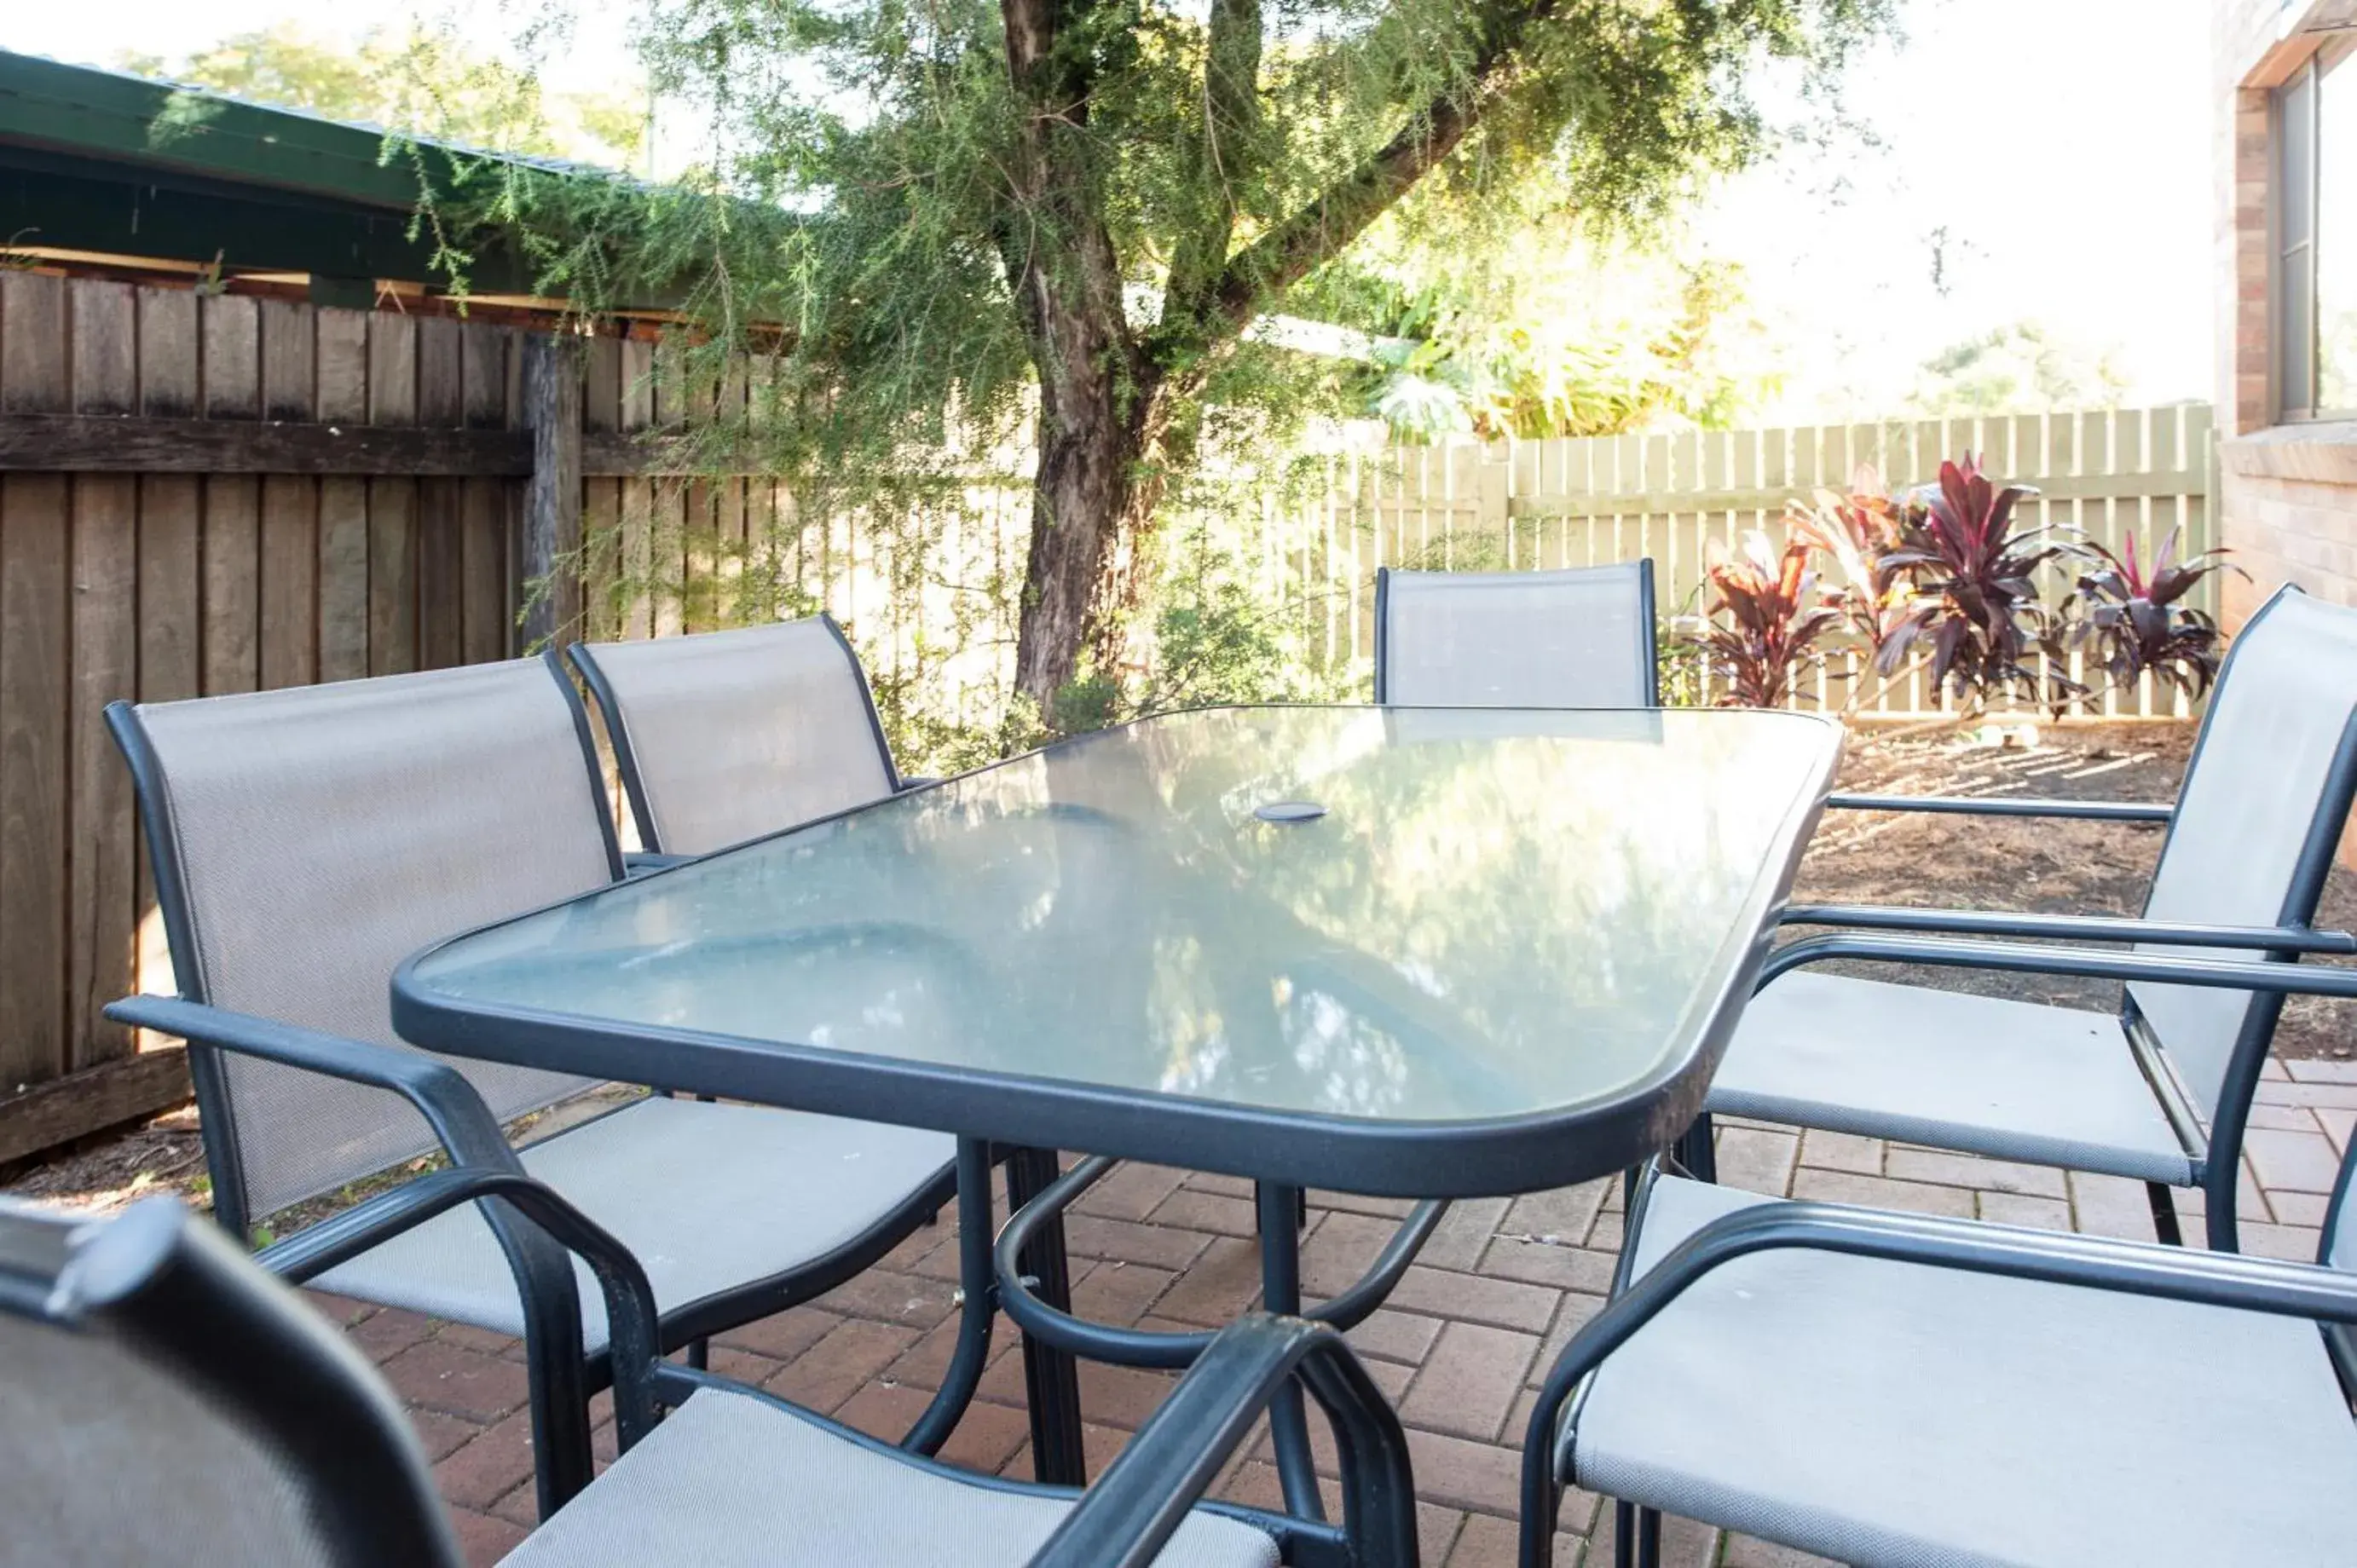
[2010, 806]
[632, 1321]
[2083, 928]
[2229, 1280]
[640, 862]
[461, 1122]
[2017, 958]
[2059, 1258]
[1139, 1503]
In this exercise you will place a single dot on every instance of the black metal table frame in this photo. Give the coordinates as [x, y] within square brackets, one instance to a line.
[1285, 1153]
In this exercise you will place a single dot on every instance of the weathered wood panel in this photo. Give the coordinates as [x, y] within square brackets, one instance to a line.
[102, 896]
[203, 494]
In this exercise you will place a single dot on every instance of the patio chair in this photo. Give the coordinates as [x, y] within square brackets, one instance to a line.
[2160, 1091]
[1897, 1389]
[305, 841]
[726, 736]
[169, 1400]
[1577, 638]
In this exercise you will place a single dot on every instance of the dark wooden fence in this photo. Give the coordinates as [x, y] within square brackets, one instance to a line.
[208, 493]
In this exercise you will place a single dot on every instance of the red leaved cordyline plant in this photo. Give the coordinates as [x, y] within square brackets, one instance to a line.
[1776, 616]
[2136, 622]
[1859, 532]
[1974, 601]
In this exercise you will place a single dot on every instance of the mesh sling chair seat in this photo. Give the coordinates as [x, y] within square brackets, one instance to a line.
[2160, 1091]
[1576, 639]
[148, 1359]
[1906, 1390]
[305, 842]
[726, 735]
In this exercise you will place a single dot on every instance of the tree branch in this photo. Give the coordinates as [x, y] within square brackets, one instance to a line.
[1318, 231]
[1231, 52]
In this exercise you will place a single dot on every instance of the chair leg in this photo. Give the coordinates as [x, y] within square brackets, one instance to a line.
[1648, 1537]
[1624, 1535]
[560, 1423]
[1696, 1151]
[2164, 1214]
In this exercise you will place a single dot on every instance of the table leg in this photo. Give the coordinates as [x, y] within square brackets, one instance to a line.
[1280, 1291]
[1051, 1383]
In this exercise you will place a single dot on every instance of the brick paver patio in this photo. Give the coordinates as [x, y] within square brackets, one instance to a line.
[1468, 1334]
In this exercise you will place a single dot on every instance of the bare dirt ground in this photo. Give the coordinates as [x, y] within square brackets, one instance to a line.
[2058, 867]
[2052, 866]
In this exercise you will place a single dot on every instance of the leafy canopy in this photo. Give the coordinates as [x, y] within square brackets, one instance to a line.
[859, 186]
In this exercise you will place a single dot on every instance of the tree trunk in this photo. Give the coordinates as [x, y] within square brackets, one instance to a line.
[1095, 388]
[1084, 492]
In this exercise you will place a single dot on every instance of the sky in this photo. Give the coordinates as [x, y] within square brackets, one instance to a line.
[2063, 145]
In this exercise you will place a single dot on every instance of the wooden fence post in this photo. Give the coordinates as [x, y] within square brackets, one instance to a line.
[551, 506]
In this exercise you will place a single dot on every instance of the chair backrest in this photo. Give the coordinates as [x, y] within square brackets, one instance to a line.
[166, 1401]
[726, 736]
[2266, 796]
[305, 841]
[1579, 639]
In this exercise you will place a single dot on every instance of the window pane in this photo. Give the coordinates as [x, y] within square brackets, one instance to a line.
[2336, 239]
[2296, 189]
[2293, 343]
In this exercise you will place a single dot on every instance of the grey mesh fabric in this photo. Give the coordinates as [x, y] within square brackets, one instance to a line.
[2245, 811]
[1897, 1413]
[738, 734]
[730, 1481]
[107, 1459]
[327, 833]
[2015, 1080]
[707, 1197]
[1576, 639]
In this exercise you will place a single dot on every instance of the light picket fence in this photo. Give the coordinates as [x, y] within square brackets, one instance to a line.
[1521, 505]
[936, 600]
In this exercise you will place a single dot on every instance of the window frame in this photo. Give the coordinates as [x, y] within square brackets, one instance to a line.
[2284, 252]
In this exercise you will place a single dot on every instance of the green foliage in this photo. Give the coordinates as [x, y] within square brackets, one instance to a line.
[421, 82]
[2023, 367]
[1556, 337]
[917, 225]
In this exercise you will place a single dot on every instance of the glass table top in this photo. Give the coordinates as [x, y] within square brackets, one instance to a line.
[1385, 915]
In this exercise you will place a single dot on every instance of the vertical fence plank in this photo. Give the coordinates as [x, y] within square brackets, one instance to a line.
[290, 506]
[486, 613]
[231, 383]
[343, 564]
[392, 503]
[34, 525]
[168, 557]
[441, 402]
[102, 932]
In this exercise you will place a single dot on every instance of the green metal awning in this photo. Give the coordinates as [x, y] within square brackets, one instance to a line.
[101, 161]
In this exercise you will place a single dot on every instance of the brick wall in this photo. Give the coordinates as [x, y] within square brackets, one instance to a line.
[2287, 494]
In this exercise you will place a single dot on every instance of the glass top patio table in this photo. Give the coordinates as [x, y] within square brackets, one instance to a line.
[1415, 953]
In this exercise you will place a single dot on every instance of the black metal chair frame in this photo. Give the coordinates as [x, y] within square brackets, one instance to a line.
[184, 1295]
[562, 1375]
[1648, 634]
[2216, 1153]
[2223, 1278]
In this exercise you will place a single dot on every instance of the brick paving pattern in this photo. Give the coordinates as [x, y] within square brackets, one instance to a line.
[1460, 1349]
